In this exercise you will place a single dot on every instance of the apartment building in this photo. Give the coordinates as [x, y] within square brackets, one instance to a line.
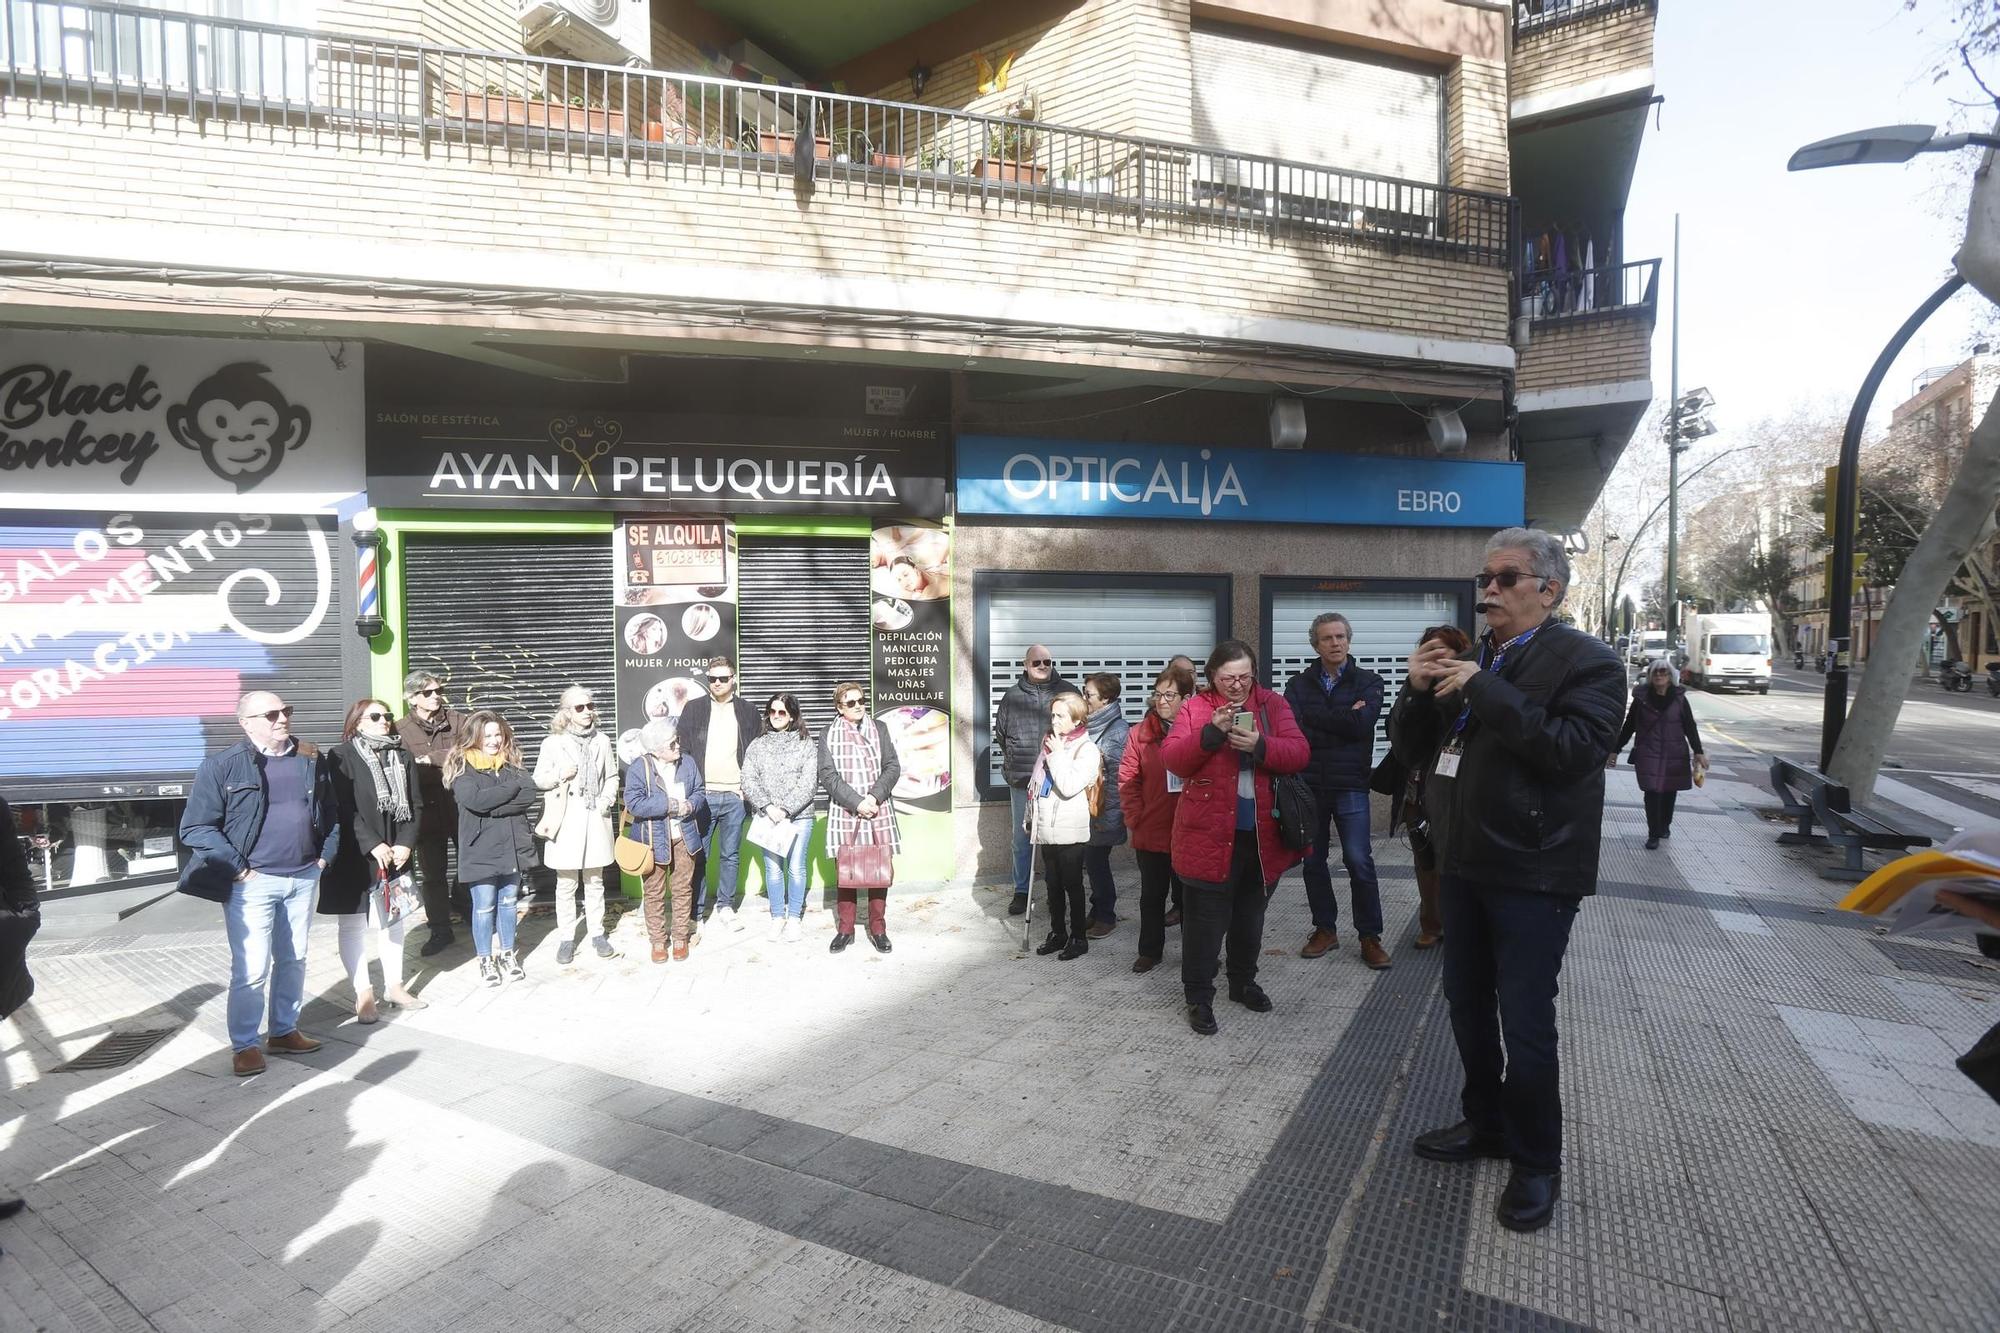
[553, 340]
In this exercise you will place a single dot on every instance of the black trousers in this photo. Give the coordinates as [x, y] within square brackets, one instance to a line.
[1157, 881]
[1063, 864]
[1233, 915]
[1659, 812]
[1503, 949]
[433, 870]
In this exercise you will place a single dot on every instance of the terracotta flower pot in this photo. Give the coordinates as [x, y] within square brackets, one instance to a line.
[769, 141]
[1005, 169]
[534, 114]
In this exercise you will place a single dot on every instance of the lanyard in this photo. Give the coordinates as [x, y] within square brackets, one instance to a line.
[1499, 658]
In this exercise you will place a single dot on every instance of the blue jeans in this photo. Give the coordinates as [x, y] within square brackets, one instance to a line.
[1024, 851]
[1103, 893]
[493, 913]
[266, 918]
[1503, 950]
[787, 877]
[1346, 812]
[726, 814]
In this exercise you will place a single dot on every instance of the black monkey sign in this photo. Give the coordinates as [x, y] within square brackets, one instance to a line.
[241, 424]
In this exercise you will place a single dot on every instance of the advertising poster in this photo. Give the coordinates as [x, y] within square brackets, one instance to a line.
[676, 589]
[910, 582]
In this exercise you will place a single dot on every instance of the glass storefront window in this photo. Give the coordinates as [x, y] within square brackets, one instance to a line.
[75, 845]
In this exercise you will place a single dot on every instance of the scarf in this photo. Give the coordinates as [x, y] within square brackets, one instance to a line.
[484, 762]
[392, 779]
[591, 770]
[857, 757]
[1040, 783]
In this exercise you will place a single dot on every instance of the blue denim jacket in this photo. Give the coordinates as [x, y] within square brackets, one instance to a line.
[646, 802]
[225, 813]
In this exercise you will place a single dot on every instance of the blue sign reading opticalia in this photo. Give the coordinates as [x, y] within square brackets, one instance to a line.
[1083, 479]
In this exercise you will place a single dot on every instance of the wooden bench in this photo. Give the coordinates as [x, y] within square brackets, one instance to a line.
[1811, 797]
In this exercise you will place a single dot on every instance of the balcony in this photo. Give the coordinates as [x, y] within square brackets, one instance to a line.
[1578, 55]
[415, 164]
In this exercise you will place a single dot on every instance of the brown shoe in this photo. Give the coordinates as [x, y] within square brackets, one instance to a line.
[294, 1042]
[1173, 918]
[1430, 941]
[1373, 954]
[659, 953]
[1144, 964]
[247, 1061]
[1099, 929]
[1319, 943]
[680, 953]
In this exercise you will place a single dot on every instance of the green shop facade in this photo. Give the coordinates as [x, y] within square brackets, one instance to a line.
[530, 534]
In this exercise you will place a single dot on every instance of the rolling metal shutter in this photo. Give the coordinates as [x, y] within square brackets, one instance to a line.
[1386, 626]
[1129, 632]
[802, 619]
[509, 623]
[1260, 96]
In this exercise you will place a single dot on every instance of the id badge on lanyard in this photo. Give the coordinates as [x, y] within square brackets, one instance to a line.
[1448, 757]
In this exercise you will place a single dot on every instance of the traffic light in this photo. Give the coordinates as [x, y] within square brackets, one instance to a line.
[1832, 503]
[1860, 563]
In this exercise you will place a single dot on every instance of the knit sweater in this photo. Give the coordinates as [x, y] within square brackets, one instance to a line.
[781, 768]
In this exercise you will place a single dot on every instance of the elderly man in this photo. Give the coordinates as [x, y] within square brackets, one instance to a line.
[429, 729]
[1338, 702]
[1514, 737]
[1020, 725]
[261, 824]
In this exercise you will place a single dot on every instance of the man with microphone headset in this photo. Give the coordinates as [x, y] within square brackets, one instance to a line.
[1514, 737]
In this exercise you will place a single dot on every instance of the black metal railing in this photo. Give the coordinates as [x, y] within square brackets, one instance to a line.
[1577, 293]
[1532, 16]
[385, 96]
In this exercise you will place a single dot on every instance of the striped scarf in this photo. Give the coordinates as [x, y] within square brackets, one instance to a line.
[857, 757]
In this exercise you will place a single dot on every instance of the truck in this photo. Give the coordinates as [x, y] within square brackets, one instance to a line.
[1730, 650]
[1646, 645]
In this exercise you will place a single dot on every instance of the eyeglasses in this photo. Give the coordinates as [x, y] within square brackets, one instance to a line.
[720, 680]
[1236, 678]
[1506, 578]
[855, 702]
[275, 714]
[1166, 696]
[365, 717]
[434, 689]
[1041, 661]
[583, 708]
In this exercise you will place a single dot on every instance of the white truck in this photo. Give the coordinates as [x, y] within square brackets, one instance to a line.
[1730, 650]
[1646, 645]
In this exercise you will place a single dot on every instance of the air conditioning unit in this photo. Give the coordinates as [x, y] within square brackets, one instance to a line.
[604, 32]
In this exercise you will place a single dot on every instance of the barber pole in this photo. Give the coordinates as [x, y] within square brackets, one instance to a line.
[368, 585]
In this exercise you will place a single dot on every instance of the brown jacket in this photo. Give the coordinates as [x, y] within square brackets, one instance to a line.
[430, 745]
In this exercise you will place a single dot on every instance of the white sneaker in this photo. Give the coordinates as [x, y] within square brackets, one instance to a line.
[794, 930]
[777, 929]
[728, 916]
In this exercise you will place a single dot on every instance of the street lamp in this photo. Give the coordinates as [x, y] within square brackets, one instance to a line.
[1891, 143]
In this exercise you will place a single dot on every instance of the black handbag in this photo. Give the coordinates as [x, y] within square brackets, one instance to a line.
[1389, 776]
[1292, 801]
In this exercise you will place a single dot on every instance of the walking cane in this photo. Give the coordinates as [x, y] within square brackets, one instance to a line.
[1028, 917]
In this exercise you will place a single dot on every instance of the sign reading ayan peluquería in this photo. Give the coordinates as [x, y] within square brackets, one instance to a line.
[574, 459]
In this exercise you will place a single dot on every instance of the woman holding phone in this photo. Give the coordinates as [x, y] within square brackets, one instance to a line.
[1226, 745]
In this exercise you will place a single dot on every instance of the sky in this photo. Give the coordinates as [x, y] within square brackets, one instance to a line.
[1791, 284]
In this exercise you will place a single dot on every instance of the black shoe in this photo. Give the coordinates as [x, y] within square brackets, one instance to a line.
[1252, 997]
[1666, 833]
[1529, 1201]
[841, 941]
[1652, 844]
[1019, 906]
[1077, 947]
[1462, 1142]
[1202, 1019]
[880, 939]
[1053, 944]
[439, 941]
[565, 952]
[9, 1207]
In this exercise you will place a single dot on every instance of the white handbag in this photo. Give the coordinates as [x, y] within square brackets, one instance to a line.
[773, 835]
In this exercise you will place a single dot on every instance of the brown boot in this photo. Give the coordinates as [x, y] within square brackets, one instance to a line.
[1373, 954]
[1430, 939]
[680, 953]
[247, 1061]
[1319, 943]
[294, 1042]
[659, 952]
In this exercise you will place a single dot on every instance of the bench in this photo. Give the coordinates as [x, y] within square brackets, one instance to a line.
[1811, 797]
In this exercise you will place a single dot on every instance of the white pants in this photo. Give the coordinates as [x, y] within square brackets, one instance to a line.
[354, 928]
[590, 883]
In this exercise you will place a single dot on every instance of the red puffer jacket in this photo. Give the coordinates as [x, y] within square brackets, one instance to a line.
[1205, 823]
[1142, 788]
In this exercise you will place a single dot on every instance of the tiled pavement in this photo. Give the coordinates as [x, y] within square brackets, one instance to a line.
[1765, 1132]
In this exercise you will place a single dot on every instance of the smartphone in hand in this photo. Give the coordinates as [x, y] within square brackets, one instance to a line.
[1246, 724]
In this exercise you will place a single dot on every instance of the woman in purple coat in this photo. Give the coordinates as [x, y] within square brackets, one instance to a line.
[1668, 749]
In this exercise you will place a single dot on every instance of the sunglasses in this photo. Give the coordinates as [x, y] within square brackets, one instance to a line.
[276, 713]
[435, 689]
[720, 680]
[1041, 661]
[366, 717]
[851, 703]
[1506, 578]
[583, 708]
[778, 712]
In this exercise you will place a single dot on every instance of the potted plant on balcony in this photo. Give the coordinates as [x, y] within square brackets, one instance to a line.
[495, 105]
[1010, 147]
[782, 142]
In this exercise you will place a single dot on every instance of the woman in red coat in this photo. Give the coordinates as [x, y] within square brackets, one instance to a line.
[1149, 798]
[1226, 745]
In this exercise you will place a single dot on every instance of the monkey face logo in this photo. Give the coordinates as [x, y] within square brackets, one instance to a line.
[240, 423]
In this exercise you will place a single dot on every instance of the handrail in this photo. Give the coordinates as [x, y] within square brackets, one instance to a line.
[1535, 16]
[383, 92]
[1551, 295]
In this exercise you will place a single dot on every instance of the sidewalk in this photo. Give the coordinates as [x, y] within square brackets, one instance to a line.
[1765, 1131]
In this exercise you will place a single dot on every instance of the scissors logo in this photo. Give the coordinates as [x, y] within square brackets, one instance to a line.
[586, 439]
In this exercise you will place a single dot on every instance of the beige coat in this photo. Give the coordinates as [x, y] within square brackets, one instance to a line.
[1063, 816]
[584, 840]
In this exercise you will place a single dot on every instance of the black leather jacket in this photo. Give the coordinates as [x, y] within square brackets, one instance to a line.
[1526, 809]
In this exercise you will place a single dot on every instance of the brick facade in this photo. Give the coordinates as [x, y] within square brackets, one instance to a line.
[1612, 349]
[1583, 51]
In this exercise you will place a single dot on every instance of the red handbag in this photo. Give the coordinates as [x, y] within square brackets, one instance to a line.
[865, 866]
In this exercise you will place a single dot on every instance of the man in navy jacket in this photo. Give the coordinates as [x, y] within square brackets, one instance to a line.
[1337, 702]
[261, 824]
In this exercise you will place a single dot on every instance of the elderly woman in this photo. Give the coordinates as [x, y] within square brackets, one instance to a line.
[858, 767]
[1668, 750]
[494, 795]
[669, 807]
[780, 780]
[579, 774]
[1405, 788]
[1069, 765]
[381, 806]
[1227, 745]
[1148, 795]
